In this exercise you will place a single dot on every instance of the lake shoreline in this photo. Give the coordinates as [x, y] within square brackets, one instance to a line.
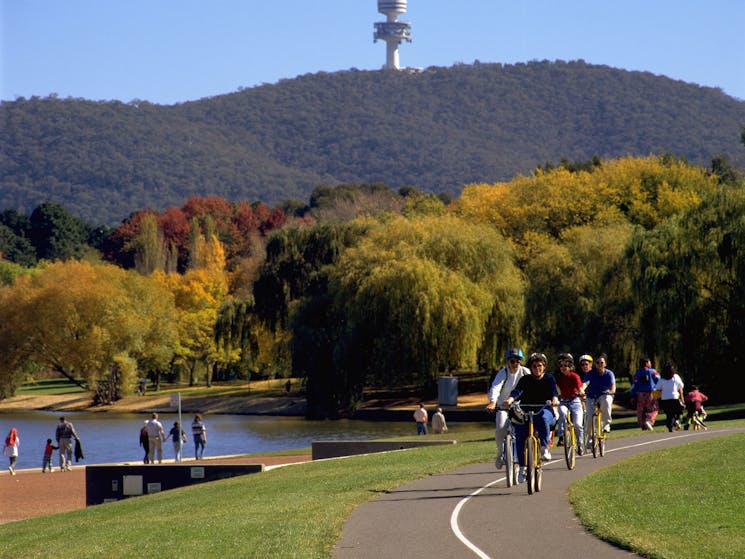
[470, 406]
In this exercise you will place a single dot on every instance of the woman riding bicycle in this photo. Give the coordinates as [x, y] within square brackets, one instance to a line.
[504, 383]
[570, 388]
[535, 389]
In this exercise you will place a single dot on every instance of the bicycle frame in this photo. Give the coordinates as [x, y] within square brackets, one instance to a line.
[532, 450]
[570, 436]
[594, 431]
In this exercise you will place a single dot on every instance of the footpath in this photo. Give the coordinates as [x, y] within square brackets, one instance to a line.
[469, 512]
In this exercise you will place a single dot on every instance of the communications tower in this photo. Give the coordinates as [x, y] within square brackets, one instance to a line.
[392, 31]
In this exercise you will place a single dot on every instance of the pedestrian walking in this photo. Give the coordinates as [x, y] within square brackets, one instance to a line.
[64, 436]
[156, 436]
[178, 437]
[199, 433]
[145, 443]
[46, 463]
[12, 442]
[438, 422]
[420, 416]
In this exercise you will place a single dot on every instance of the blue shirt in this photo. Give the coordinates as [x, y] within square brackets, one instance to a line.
[599, 384]
[644, 380]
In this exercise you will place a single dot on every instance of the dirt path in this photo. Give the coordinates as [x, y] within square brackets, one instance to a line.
[30, 493]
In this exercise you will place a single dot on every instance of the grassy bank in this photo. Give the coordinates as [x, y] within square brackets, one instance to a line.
[687, 501]
[296, 511]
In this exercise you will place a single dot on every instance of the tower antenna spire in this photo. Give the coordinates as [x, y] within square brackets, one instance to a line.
[392, 31]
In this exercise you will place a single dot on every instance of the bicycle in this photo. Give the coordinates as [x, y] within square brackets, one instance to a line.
[570, 436]
[594, 431]
[697, 421]
[509, 453]
[533, 461]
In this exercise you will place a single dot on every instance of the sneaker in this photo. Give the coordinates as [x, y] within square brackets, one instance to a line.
[499, 463]
[648, 426]
[521, 475]
[606, 429]
[677, 425]
[545, 454]
[12, 470]
[560, 442]
[580, 450]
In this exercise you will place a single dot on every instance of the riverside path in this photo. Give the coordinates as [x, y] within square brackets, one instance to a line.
[469, 512]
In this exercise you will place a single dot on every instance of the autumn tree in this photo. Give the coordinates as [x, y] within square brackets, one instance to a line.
[86, 319]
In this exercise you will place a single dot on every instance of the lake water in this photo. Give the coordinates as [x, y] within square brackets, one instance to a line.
[115, 438]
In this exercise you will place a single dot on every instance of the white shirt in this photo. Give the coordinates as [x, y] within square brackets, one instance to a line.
[504, 383]
[670, 387]
[154, 428]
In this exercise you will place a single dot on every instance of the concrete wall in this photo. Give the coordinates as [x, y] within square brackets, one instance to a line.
[114, 482]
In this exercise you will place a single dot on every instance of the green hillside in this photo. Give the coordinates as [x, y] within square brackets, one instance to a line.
[436, 130]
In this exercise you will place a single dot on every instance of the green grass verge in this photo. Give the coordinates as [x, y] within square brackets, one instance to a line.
[49, 387]
[687, 501]
[296, 511]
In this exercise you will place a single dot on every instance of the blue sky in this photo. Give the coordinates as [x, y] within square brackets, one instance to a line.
[168, 51]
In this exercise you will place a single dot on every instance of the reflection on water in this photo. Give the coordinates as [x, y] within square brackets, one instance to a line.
[115, 438]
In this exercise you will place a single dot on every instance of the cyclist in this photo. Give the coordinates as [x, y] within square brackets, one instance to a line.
[504, 383]
[536, 388]
[644, 381]
[570, 388]
[600, 386]
[694, 403]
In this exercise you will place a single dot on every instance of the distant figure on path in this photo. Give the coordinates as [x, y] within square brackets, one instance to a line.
[438, 422]
[11, 449]
[156, 436]
[64, 435]
[420, 416]
[199, 432]
[671, 402]
[644, 382]
[47, 460]
[178, 437]
[145, 443]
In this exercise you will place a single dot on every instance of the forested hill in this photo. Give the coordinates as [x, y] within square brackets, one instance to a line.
[436, 130]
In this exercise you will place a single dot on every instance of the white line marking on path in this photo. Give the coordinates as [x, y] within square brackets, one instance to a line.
[456, 511]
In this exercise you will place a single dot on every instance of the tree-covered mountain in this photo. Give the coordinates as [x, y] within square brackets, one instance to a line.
[436, 130]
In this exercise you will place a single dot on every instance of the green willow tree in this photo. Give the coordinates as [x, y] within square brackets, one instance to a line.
[687, 276]
[417, 297]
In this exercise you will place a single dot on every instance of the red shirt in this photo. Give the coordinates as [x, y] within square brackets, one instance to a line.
[569, 385]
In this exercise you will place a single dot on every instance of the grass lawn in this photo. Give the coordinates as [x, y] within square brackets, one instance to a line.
[688, 501]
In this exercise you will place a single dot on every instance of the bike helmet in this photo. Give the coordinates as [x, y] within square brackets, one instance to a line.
[537, 357]
[514, 352]
[585, 357]
[516, 413]
[566, 357]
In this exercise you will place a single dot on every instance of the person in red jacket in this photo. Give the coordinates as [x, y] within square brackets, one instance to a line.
[693, 401]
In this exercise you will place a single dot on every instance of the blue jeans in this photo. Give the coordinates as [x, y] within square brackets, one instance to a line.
[574, 407]
[543, 423]
[198, 445]
[421, 428]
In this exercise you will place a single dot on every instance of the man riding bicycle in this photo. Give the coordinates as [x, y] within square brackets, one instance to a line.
[504, 383]
[600, 386]
[535, 389]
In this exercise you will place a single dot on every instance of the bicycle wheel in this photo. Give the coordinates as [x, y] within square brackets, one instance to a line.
[530, 462]
[509, 460]
[538, 483]
[570, 445]
[595, 435]
[601, 445]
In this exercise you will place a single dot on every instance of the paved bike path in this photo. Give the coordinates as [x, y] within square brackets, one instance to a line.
[414, 520]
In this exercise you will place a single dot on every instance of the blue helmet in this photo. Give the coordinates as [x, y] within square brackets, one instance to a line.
[514, 352]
